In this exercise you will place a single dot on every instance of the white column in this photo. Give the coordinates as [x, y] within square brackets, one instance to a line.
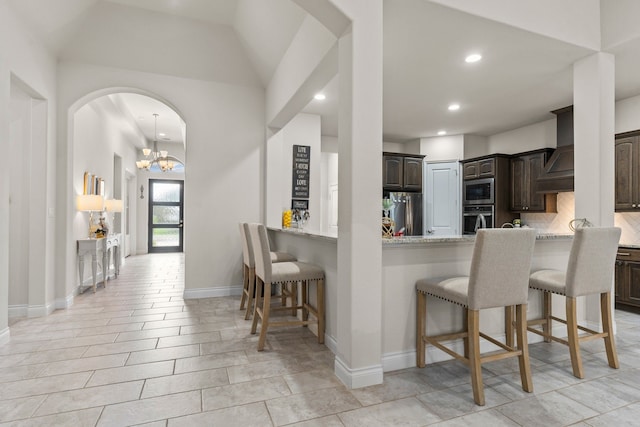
[594, 134]
[359, 312]
[4, 204]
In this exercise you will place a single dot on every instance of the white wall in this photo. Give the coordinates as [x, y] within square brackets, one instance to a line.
[98, 135]
[532, 137]
[22, 56]
[304, 129]
[628, 114]
[225, 131]
[442, 148]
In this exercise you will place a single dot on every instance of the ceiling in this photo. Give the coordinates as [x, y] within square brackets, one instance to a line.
[521, 77]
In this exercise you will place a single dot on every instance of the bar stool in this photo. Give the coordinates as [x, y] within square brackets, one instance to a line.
[498, 277]
[590, 271]
[249, 269]
[269, 273]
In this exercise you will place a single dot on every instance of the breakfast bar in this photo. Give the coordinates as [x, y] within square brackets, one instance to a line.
[404, 261]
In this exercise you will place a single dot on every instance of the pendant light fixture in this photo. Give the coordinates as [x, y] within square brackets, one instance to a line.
[162, 158]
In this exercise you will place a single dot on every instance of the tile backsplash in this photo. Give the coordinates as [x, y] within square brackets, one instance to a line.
[629, 222]
[553, 222]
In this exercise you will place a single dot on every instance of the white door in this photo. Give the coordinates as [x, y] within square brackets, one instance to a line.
[442, 201]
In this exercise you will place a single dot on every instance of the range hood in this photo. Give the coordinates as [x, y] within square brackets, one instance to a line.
[558, 171]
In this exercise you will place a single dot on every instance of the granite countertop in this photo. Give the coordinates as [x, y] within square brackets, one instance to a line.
[414, 240]
[629, 245]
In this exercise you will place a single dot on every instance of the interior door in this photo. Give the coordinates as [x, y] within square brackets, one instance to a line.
[166, 214]
[442, 201]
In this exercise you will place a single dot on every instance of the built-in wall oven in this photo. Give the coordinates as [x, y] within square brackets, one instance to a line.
[477, 216]
[478, 191]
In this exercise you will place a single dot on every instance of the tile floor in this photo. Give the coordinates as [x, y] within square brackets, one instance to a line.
[137, 353]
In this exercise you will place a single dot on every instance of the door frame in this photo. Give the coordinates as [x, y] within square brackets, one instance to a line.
[150, 225]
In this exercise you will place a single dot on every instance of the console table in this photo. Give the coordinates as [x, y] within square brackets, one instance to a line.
[93, 246]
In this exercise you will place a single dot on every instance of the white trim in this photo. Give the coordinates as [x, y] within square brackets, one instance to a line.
[64, 303]
[18, 310]
[331, 343]
[5, 336]
[218, 291]
[357, 378]
[40, 310]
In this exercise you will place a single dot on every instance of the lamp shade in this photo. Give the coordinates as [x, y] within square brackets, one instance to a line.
[113, 205]
[89, 202]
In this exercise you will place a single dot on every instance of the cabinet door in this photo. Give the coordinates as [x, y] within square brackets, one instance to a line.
[633, 287]
[392, 172]
[620, 280]
[626, 182]
[534, 166]
[470, 170]
[518, 191]
[413, 174]
[486, 168]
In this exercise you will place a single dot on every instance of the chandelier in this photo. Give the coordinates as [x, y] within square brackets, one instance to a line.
[153, 156]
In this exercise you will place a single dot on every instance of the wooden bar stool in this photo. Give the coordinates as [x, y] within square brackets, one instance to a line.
[499, 277]
[590, 271]
[269, 273]
[249, 270]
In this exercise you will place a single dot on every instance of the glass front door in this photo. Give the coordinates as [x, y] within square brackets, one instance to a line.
[166, 213]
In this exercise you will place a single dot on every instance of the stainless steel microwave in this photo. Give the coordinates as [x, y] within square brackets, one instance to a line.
[479, 191]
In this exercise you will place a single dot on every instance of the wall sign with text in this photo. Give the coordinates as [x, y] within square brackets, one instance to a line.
[301, 163]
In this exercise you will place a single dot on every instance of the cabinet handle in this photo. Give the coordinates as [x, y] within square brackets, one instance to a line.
[633, 205]
[624, 254]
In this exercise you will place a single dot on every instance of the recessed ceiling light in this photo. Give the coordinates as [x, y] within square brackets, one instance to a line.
[474, 57]
[442, 132]
[454, 107]
[162, 134]
[320, 96]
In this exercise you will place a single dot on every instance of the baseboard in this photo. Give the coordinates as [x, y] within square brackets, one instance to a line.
[213, 292]
[19, 310]
[357, 378]
[64, 303]
[40, 310]
[331, 343]
[5, 336]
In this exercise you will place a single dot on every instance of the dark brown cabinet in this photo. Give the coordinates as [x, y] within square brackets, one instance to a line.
[627, 281]
[401, 172]
[627, 168]
[525, 170]
[485, 168]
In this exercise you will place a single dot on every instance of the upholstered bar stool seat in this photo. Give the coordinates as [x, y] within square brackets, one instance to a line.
[498, 277]
[590, 271]
[249, 269]
[285, 273]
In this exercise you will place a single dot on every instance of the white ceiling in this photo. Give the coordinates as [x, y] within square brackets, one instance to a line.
[521, 78]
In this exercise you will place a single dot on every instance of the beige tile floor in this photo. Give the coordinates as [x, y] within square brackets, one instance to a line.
[137, 353]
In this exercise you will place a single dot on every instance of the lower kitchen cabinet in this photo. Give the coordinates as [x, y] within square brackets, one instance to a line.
[627, 279]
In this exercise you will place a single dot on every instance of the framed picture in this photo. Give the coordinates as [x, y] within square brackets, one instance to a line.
[300, 204]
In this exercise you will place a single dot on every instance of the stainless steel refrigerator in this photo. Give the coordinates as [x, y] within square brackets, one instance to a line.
[407, 212]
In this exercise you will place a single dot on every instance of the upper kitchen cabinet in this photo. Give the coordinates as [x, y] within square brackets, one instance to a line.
[402, 172]
[484, 168]
[627, 161]
[525, 170]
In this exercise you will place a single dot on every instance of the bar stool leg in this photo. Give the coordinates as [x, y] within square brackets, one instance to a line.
[607, 327]
[465, 340]
[574, 342]
[546, 314]
[508, 325]
[294, 297]
[257, 302]
[320, 308]
[305, 301]
[251, 291]
[523, 346]
[473, 329]
[266, 308]
[421, 327]
[245, 286]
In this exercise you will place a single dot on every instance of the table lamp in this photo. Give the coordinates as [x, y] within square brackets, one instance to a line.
[89, 203]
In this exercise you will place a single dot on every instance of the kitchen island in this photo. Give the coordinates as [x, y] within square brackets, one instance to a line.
[404, 261]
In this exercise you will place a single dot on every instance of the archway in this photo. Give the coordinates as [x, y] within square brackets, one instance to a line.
[95, 144]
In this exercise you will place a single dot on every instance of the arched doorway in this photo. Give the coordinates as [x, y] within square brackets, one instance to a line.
[107, 131]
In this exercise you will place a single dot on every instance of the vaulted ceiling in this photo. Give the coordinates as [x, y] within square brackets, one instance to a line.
[523, 74]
